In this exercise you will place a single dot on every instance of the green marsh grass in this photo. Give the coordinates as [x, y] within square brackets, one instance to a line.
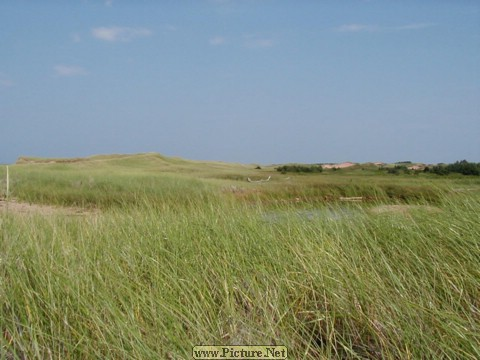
[153, 281]
[188, 264]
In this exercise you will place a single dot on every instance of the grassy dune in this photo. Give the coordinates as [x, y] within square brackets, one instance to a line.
[182, 254]
[106, 181]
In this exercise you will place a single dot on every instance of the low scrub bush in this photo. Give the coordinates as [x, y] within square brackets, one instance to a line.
[300, 169]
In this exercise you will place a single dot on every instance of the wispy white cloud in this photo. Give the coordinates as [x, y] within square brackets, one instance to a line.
[69, 70]
[217, 41]
[115, 33]
[355, 28]
[170, 27]
[76, 38]
[5, 81]
[108, 3]
[414, 26]
[254, 42]
[220, 1]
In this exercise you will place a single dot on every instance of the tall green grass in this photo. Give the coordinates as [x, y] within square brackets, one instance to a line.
[110, 181]
[62, 184]
[153, 279]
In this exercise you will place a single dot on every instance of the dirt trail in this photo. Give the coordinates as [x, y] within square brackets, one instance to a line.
[17, 207]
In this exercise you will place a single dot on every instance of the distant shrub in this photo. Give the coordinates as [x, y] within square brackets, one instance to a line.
[438, 169]
[464, 167]
[300, 168]
[397, 169]
[460, 167]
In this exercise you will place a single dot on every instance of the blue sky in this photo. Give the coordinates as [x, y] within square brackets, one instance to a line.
[251, 81]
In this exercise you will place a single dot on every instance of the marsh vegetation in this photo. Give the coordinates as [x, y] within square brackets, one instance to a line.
[167, 254]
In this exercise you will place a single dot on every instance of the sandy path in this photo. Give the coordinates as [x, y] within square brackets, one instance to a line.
[17, 207]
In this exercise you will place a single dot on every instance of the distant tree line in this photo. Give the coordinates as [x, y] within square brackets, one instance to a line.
[397, 169]
[460, 167]
[300, 168]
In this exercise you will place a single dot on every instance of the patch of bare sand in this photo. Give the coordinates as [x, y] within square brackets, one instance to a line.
[338, 166]
[17, 207]
[403, 209]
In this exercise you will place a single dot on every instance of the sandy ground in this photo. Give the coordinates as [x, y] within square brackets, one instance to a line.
[403, 209]
[24, 208]
[338, 166]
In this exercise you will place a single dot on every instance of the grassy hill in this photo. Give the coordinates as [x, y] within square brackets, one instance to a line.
[110, 180]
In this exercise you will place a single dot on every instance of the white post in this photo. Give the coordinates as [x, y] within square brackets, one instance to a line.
[8, 183]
